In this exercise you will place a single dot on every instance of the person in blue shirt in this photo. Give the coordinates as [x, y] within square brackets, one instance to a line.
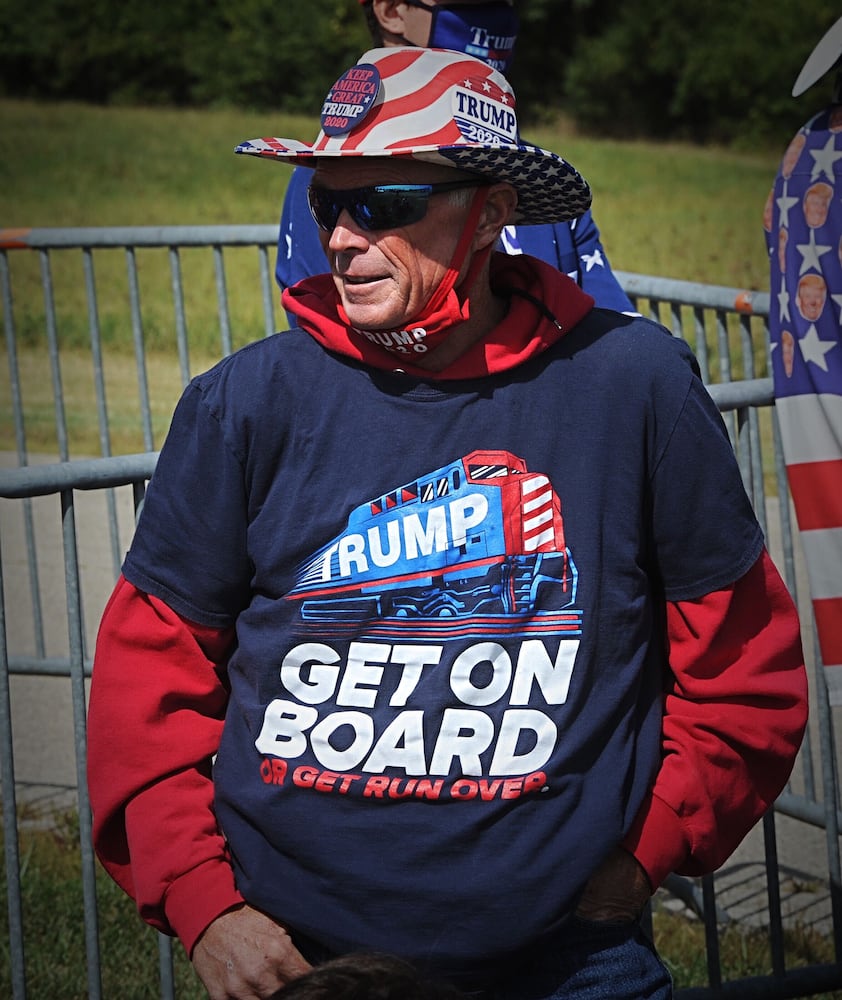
[488, 31]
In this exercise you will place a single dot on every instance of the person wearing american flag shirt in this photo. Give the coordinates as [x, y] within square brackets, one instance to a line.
[803, 227]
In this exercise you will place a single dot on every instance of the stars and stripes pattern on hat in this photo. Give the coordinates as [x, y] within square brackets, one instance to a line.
[440, 107]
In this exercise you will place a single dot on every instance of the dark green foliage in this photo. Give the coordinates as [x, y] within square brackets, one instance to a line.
[705, 70]
[98, 51]
[273, 53]
[259, 53]
[719, 70]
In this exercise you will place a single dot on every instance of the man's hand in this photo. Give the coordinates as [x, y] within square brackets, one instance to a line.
[617, 891]
[245, 955]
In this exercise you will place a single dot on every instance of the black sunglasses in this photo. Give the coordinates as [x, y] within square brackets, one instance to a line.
[385, 206]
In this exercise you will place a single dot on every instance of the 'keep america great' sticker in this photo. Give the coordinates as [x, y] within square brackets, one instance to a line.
[350, 99]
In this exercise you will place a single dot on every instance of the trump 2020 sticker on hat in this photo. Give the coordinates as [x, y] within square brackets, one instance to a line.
[350, 99]
[484, 113]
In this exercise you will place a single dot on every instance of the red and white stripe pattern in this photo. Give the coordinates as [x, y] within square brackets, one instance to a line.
[440, 107]
[814, 469]
[803, 223]
[539, 534]
[419, 83]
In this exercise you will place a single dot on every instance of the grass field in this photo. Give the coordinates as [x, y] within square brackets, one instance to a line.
[52, 905]
[675, 210]
[666, 209]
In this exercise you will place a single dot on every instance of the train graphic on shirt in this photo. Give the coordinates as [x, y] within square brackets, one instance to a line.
[472, 548]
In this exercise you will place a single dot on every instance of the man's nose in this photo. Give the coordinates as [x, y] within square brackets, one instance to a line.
[347, 234]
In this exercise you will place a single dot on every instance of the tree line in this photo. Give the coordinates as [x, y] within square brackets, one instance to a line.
[704, 70]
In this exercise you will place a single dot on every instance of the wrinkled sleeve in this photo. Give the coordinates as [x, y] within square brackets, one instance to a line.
[190, 548]
[157, 703]
[735, 710]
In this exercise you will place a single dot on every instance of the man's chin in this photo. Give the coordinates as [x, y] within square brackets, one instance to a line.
[371, 317]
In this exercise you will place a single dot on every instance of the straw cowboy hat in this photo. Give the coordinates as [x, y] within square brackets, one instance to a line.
[441, 107]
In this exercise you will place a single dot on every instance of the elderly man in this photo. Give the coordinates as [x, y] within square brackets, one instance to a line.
[485, 29]
[458, 586]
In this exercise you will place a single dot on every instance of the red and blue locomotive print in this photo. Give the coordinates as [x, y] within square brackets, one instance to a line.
[475, 547]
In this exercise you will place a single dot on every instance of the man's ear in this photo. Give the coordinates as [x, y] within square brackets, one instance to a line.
[498, 211]
[389, 16]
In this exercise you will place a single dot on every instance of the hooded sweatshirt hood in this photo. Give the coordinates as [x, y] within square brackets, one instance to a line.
[544, 306]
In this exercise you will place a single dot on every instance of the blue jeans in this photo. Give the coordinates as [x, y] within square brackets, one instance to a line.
[582, 961]
[590, 961]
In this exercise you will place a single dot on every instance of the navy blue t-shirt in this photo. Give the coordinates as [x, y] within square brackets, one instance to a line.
[449, 601]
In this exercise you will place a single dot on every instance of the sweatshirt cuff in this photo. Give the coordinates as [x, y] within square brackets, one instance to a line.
[657, 840]
[198, 897]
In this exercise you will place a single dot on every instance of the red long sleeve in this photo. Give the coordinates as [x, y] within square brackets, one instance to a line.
[734, 716]
[156, 711]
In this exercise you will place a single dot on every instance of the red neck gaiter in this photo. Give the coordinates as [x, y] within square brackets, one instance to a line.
[543, 305]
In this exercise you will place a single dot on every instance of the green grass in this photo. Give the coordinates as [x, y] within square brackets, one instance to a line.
[672, 210]
[675, 210]
[743, 954]
[79, 165]
[54, 931]
[122, 394]
[55, 945]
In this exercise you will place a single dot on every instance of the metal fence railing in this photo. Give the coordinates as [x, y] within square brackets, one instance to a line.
[67, 517]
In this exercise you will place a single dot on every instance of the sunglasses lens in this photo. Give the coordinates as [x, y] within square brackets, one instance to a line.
[370, 208]
[324, 207]
[391, 209]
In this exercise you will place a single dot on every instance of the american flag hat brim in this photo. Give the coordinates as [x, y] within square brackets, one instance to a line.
[440, 107]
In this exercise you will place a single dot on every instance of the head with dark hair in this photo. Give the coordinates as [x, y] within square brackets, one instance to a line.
[366, 976]
[453, 25]
[372, 23]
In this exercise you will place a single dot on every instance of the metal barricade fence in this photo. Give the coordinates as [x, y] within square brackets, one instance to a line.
[66, 520]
